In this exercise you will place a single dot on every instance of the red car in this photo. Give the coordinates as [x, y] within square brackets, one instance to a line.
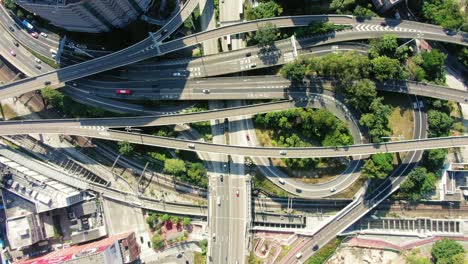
[248, 137]
[123, 91]
[34, 34]
[12, 52]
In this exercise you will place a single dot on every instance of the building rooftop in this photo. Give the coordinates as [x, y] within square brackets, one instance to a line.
[22, 231]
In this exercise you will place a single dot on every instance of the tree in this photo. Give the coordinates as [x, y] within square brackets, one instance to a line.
[371, 171]
[10, 4]
[151, 219]
[174, 166]
[444, 250]
[198, 174]
[294, 71]
[434, 159]
[361, 94]
[361, 11]
[443, 12]
[433, 64]
[266, 35]
[384, 46]
[439, 123]
[204, 246]
[383, 161]
[377, 120]
[385, 68]
[418, 184]
[459, 258]
[263, 10]
[20, 14]
[165, 217]
[186, 221]
[125, 148]
[53, 97]
[341, 6]
[157, 241]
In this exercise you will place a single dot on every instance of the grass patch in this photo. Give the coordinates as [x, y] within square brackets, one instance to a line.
[49, 61]
[284, 251]
[325, 252]
[198, 258]
[254, 260]
[262, 183]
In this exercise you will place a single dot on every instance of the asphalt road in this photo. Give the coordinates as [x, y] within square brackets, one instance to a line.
[364, 203]
[146, 49]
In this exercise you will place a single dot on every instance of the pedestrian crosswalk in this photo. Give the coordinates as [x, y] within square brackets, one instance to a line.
[99, 128]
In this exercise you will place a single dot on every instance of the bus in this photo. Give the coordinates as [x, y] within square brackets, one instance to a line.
[27, 24]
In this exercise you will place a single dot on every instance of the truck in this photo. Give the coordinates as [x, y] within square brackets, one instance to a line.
[27, 24]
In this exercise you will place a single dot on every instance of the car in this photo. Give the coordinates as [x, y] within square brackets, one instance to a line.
[191, 145]
[47, 83]
[37, 60]
[206, 91]
[237, 193]
[218, 201]
[281, 181]
[253, 65]
[74, 84]
[13, 53]
[248, 54]
[383, 24]
[43, 34]
[214, 236]
[248, 137]
[11, 28]
[298, 190]
[123, 91]
[34, 35]
[315, 248]
[299, 255]
[177, 74]
[37, 66]
[221, 177]
[15, 43]
[283, 152]
[180, 254]
[332, 189]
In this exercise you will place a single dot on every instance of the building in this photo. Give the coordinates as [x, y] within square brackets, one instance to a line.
[91, 16]
[384, 5]
[117, 249]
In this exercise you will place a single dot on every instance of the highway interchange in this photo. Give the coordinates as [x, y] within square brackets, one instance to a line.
[265, 87]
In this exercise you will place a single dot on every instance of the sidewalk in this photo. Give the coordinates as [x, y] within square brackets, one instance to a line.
[380, 244]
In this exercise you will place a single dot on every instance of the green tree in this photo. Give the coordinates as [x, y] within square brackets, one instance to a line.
[267, 35]
[459, 258]
[125, 148]
[444, 250]
[434, 65]
[377, 120]
[385, 68]
[384, 162]
[20, 14]
[361, 11]
[371, 171]
[174, 167]
[186, 221]
[263, 10]
[439, 123]
[198, 174]
[443, 12]
[294, 71]
[361, 94]
[434, 159]
[165, 217]
[384, 46]
[151, 219]
[418, 184]
[341, 6]
[157, 241]
[10, 4]
[204, 246]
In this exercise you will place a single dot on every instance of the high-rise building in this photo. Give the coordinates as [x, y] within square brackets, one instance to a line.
[87, 15]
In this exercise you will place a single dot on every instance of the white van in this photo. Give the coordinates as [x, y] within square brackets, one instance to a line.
[218, 200]
[53, 51]
[299, 255]
[281, 181]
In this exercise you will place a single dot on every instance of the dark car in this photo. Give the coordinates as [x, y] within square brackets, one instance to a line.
[47, 83]
[315, 248]
[383, 24]
[11, 28]
[248, 54]
[298, 190]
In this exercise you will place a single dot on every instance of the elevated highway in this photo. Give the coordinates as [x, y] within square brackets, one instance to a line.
[152, 47]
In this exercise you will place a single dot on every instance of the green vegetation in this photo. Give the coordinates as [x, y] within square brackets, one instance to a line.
[204, 246]
[419, 185]
[447, 251]
[58, 100]
[325, 252]
[157, 241]
[294, 71]
[266, 35]
[263, 10]
[125, 148]
[379, 166]
[415, 258]
[262, 183]
[361, 94]
[446, 13]
[199, 258]
[204, 128]
[438, 117]
[377, 120]
[192, 172]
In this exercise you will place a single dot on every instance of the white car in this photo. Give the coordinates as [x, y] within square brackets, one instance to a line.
[191, 145]
[44, 34]
[283, 152]
[37, 60]
[206, 91]
[332, 189]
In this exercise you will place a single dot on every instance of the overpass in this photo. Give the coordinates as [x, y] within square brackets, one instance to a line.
[152, 47]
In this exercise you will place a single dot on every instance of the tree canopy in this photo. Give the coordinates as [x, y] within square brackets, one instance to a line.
[446, 251]
[378, 166]
[294, 71]
[418, 185]
[446, 13]
[125, 148]
[385, 68]
[174, 166]
[433, 63]
[376, 120]
[267, 35]
[361, 94]
[263, 10]
[439, 123]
